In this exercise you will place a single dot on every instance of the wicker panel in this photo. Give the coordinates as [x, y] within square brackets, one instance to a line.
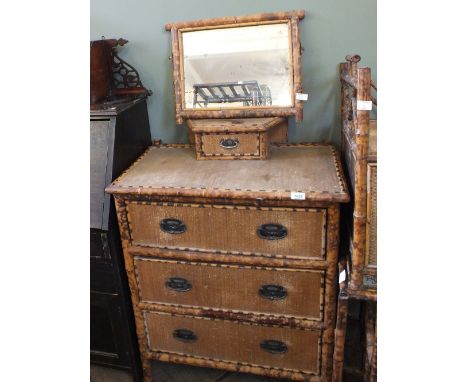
[232, 341]
[279, 133]
[371, 229]
[247, 144]
[372, 151]
[231, 287]
[227, 228]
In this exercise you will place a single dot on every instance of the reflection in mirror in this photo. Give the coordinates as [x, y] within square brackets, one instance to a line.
[238, 67]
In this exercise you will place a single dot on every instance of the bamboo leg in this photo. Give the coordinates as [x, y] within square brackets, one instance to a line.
[328, 336]
[373, 366]
[340, 336]
[132, 283]
[147, 373]
[371, 340]
[373, 356]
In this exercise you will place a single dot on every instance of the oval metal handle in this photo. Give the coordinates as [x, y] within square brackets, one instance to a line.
[173, 226]
[272, 292]
[184, 335]
[272, 231]
[274, 346]
[229, 143]
[178, 284]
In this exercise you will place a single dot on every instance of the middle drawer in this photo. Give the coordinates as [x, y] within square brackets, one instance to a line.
[283, 232]
[280, 291]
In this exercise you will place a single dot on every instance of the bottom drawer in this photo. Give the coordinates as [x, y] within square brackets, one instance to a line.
[236, 342]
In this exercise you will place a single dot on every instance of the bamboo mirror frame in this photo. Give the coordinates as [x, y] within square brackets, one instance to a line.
[264, 108]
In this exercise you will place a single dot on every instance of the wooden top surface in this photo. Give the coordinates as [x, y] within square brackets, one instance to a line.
[309, 168]
[111, 109]
[242, 125]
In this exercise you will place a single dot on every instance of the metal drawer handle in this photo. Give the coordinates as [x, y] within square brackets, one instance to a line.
[184, 335]
[229, 143]
[272, 231]
[274, 346]
[178, 284]
[173, 226]
[273, 292]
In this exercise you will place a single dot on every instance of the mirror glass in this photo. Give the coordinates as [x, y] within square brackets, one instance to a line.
[237, 67]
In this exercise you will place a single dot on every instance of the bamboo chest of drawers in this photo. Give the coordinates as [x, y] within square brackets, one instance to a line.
[233, 264]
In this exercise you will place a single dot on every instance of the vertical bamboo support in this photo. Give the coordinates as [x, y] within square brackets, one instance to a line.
[176, 75]
[360, 169]
[344, 66]
[330, 291]
[132, 283]
[373, 366]
[353, 72]
[340, 336]
[297, 74]
[371, 339]
[353, 60]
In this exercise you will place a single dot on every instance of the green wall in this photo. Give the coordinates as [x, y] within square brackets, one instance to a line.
[330, 30]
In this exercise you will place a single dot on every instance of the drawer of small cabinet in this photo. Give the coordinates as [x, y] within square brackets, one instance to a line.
[230, 145]
[278, 291]
[269, 231]
[224, 340]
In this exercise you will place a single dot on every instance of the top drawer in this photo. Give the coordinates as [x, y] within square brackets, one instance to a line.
[271, 231]
[230, 145]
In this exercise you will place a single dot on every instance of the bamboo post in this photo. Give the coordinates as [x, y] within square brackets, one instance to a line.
[121, 210]
[296, 50]
[353, 65]
[176, 75]
[360, 169]
[340, 336]
[371, 339]
[328, 337]
[373, 366]
[344, 68]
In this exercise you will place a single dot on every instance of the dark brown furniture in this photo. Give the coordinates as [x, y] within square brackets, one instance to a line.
[119, 135]
[111, 77]
[233, 264]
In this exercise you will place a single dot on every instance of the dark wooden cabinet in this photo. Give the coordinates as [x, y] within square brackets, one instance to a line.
[118, 136]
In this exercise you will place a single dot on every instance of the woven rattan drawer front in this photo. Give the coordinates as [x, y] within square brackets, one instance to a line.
[277, 291]
[231, 341]
[230, 145]
[275, 231]
[371, 227]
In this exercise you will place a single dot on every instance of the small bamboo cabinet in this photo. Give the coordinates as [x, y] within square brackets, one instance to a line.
[359, 221]
[233, 264]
